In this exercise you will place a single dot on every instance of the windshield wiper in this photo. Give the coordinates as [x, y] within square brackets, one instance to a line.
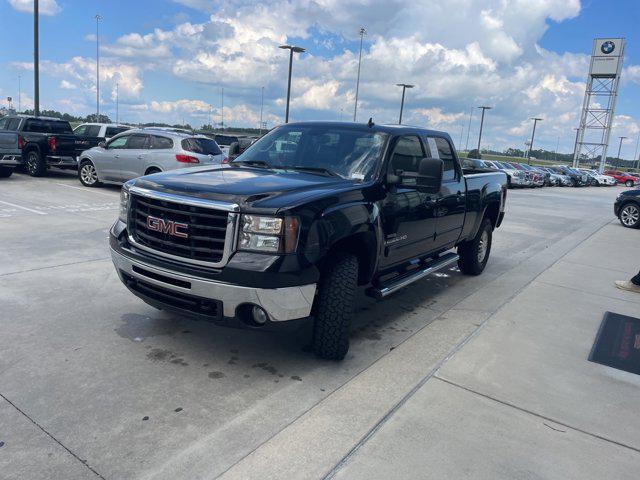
[304, 168]
[255, 163]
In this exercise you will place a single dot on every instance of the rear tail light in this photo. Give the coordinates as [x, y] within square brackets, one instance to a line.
[225, 160]
[52, 143]
[186, 159]
[20, 142]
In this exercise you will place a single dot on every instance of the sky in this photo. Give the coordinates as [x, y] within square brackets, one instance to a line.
[171, 60]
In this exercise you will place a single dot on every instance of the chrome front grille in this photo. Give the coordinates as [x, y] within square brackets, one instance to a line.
[207, 229]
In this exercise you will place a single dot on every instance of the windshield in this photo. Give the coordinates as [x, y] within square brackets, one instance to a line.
[351, 152]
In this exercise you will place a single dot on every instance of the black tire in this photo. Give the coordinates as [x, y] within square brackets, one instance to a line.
[35, 164]
[629, 215]
[629, 183]
[5, 172]
[333, 307]
[88, 175]
[152, 170]
[474, 254]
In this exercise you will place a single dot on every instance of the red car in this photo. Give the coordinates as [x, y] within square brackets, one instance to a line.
[621, 177]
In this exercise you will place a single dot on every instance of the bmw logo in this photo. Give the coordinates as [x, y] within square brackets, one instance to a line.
[608, 47]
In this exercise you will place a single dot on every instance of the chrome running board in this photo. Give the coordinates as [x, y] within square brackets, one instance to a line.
[390, 286]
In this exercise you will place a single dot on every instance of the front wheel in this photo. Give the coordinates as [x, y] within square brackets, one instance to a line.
[474, 253]
[5, 172]
[333, 307]
[87, 174]
[36, 166]
[630, 216]
[629, 183]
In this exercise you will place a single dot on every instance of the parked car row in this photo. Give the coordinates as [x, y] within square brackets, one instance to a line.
[522, 175]
[102, 152]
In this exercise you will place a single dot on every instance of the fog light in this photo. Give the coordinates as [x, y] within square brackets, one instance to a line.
[259, 315]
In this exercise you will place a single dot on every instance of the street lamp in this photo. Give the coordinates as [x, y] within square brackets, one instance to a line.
[533, 134]
[117, 103]
[261, 107]
[466, 147]
[36, 61]
[291, 49]
[619, 148]
[404, 88]
[363, 32]
[483, 108]
[98, 17]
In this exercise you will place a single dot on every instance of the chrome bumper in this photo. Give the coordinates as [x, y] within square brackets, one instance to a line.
[60, 161]
[281, 304]
[12, 160]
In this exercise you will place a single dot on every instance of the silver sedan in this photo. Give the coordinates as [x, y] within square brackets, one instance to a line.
[138, 152]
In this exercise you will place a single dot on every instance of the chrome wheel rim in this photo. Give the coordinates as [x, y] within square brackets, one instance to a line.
[32, 162]
[88, 174]
[483, 245]
[629, 215]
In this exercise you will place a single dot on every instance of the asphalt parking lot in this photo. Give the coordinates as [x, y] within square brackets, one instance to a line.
[96, 384]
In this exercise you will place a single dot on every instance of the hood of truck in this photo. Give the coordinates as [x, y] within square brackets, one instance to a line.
[249, 187]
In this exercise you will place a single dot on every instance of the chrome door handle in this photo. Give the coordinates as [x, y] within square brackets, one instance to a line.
[140, 156]
[116, 156]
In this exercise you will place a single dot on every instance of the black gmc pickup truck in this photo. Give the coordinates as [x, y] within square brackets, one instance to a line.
[306, 214]
[42, 142]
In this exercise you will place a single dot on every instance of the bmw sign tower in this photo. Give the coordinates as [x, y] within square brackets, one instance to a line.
[599, 103]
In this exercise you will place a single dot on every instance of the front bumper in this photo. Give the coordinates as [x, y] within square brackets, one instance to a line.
[11, 160]
[202, 297]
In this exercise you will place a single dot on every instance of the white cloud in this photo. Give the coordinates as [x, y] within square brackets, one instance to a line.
[45, 7]
[66, 85]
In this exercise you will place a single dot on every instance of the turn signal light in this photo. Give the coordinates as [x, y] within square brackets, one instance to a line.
[187, 159]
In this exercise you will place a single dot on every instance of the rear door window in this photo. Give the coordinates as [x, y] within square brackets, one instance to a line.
[137, 142]
[203, 146]
[113, 131]
[440, 148]
[161, 143]
[59, 127]
[93, 131]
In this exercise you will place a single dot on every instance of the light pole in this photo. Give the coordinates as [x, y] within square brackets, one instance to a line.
[20, 93]
[261, 107]
[291, 49]
[483, 108]
[210, 126]
[466, 147]
[555, 154]
[98, 17]
[619, 148]
[363, 32]
[576, 160]
[635, 154]
[222, 110]
[404, 88]
[117, 103]
[533, 134]
[36, 62]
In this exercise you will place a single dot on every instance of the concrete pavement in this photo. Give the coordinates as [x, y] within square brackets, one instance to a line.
[95, 383]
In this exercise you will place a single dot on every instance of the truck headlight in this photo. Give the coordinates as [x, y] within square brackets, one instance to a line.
[260, 233]
[124, 203]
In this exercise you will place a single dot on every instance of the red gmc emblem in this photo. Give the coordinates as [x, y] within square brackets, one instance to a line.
[167, 226]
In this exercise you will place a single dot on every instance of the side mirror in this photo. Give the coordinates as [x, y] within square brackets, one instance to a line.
[102, 144]
[430, 173]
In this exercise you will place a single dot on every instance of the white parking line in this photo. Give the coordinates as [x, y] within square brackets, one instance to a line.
[23, 208]
[84, 189]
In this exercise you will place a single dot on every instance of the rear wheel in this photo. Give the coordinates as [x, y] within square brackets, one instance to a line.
[474, 254]
[87, 174]
[333, 308]
[152, 170]
[630, 215]
[629, 183]
[5, 172]
[36, 166]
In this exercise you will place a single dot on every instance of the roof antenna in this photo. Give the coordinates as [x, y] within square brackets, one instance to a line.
[370, 122]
